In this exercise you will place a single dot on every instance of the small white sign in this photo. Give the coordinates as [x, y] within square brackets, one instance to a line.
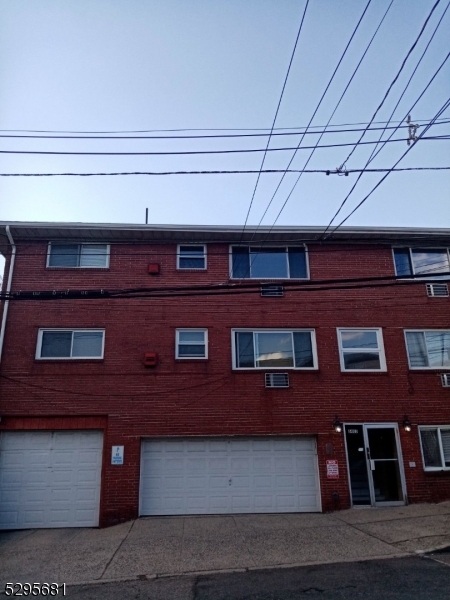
[117, 455]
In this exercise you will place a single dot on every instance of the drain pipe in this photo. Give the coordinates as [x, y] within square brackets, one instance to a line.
[8, 289]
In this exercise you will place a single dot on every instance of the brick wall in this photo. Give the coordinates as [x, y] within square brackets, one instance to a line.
[182, 397]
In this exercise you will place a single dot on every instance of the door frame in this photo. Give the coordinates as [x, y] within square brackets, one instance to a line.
[373, 503]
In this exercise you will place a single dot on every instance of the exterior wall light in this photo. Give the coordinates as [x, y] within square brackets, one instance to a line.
[406, 423]
[337, 425]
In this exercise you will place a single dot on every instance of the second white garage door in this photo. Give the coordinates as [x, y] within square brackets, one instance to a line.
[229, 475]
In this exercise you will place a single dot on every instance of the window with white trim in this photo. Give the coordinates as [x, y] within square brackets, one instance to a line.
[274, 349]
[78, 256]
[428, 349]
[191, 256]
[74, 344]
[361, 349]
[252, 262]
[191, 343]
[422, 261]
[435, 444]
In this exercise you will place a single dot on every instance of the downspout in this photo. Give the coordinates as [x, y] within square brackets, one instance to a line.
[8, 289]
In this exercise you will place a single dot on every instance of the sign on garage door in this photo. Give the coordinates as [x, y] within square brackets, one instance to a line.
[229, 475]
[50, 479]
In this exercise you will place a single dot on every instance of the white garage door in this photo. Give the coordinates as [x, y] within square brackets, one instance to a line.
[50, 479]
[229, 475]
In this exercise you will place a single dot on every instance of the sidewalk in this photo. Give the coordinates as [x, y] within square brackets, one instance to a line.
[164, 546]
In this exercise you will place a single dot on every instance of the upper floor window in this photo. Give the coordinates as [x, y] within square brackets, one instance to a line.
[251, 262]
[191, 343]
[191, 257]
[428, 349]
[78, 255]
[361, 350]
[435, 443]
[70, 343]
[274, 349]
[421, 261]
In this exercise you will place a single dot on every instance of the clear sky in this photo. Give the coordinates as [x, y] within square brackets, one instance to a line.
[115, 65]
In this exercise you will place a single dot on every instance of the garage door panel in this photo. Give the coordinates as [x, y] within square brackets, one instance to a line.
[53, 477]
[221, 475]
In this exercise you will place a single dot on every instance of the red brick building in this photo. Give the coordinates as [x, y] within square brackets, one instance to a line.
[158, 370]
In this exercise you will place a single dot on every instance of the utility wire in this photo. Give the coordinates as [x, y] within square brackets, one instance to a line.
[382, 146]
[197, 129]
[308, 171]
[331, 116]
[187, 152]
[396, 76]
[444, 107]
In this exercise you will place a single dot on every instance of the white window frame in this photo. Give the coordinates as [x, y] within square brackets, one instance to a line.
[424, 331]
[421, 275]
[191, 330]
[432, 427]
[253, 330]
[73, 330]
[179, 268]
[63, 243]
[286, 248]
[379, 350]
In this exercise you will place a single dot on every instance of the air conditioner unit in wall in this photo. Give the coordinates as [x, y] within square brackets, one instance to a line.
[437, 290]
[272, 291]
[445, 378]
[277, 380]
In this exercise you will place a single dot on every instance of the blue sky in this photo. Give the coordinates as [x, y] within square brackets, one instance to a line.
[116, 65]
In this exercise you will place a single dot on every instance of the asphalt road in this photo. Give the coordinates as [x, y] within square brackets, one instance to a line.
[417, 578]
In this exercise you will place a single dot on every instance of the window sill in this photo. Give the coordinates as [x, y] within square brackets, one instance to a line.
[204, 358]
[77, 268]
[364, 372]
[69, 360]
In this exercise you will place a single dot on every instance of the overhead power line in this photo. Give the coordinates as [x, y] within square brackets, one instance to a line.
[236, 172]
[202, 137]
[198, 129]
[275, 117]
[188, 152]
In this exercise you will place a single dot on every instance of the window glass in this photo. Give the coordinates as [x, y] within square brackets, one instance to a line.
[63, 255]
[245, 356]
[297, 263]
[430, 261]
[428, 349]
[56, 344]
[268, 262]
[191, 344]
[430, 448]
[359, 339]
[191, 257]
[274, 349]
[402, 262]
[361, 360]
[445, 438]
[87, 343]
[303, 349]
[93, 255]
[417, 349]
[438, 347]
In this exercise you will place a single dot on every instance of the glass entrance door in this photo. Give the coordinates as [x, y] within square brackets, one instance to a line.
[376, 475]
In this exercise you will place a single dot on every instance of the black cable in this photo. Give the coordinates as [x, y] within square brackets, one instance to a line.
[197, 129]
[331, 116]
[382, 146]
[444, 107]
[308, 171]
[275, 118]
[396, 76]
[189, 152]
[409, 81]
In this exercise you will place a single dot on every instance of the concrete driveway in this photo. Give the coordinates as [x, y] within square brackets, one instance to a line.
[165, 546]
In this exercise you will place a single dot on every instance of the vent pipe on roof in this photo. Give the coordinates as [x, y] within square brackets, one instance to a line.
[8, 289]
[146, 216]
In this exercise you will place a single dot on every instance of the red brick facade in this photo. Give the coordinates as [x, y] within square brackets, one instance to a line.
[128, 401]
